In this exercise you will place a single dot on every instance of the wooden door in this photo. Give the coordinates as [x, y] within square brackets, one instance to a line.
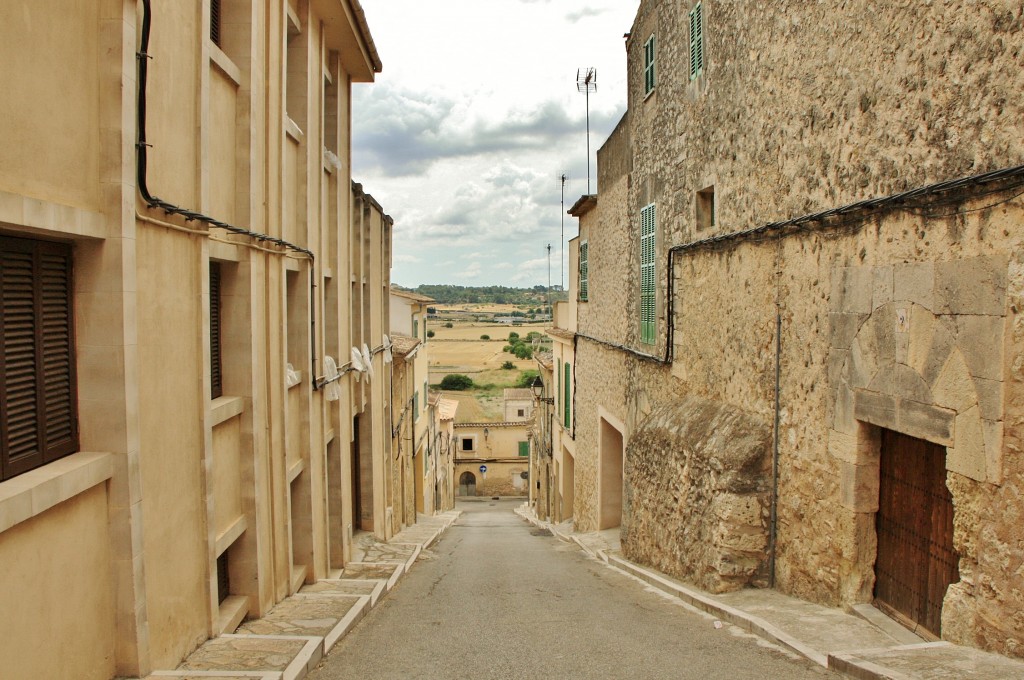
[916, 561]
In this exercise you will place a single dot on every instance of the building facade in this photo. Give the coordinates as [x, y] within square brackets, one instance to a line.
[821, 353]
[186, 268]
[492, 459]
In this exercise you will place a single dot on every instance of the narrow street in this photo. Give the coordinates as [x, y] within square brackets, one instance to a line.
[498, 598]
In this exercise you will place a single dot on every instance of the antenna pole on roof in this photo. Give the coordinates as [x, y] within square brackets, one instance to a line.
[586, 82]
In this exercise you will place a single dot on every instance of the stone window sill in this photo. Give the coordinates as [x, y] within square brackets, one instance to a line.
[225, 408]
[33, 493]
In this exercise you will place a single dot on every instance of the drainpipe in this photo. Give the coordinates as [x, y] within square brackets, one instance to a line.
[774, 511]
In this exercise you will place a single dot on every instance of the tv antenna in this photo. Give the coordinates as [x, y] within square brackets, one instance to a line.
[586, 82]
[561, 245]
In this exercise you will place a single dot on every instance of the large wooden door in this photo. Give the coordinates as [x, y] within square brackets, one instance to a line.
[916, 561]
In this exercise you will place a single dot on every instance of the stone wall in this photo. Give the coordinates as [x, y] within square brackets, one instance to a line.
[907, 318]
[697, 485]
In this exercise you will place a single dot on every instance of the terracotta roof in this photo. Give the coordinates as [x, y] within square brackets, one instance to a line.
[409, 295]
[583, 206]
[561, 333]
[403, 344]
[518, 393]
[545, 359]
[446, 408]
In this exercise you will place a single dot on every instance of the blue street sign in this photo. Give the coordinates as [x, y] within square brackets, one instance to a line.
[483, 468]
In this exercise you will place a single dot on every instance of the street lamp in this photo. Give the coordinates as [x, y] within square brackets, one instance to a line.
[537, 387]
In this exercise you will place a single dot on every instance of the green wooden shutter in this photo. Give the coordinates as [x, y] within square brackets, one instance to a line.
[524, 449]
[558, 385]
[584, 283]
[567, 398]
[696, 41]
[649, 79]
[648, 291]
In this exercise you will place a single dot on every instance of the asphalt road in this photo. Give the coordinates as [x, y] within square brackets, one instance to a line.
[498, 598]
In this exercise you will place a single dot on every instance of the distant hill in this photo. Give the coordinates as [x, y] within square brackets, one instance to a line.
[501, 295]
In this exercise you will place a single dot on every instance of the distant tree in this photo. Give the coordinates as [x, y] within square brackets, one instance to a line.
[523, 351]
[431, 310]
[430, 334]
[512, 337]
[526, 378]
[485, 337]
[456, 382]
[506, 348]
[508, 366]
[448, 325]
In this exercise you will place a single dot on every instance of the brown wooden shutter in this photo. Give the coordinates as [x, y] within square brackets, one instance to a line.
[216, 377]
[38, 393]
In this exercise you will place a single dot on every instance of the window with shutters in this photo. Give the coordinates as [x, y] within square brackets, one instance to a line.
[696, 41]
[38, 393]
[584, 286]
[524, 449]
[648, 290]
[215, 23]
[566, 399]
[649, 80]
[216, 332]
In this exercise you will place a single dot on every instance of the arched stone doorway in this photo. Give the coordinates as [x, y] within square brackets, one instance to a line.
[467, 484]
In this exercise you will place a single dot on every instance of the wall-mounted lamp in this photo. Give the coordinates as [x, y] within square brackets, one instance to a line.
[537, 387]
[486, 432]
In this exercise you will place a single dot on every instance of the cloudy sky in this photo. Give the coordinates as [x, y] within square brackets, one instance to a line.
[464, 136]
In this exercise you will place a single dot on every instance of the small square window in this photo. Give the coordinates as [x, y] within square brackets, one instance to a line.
[467, 444]
[521, 413]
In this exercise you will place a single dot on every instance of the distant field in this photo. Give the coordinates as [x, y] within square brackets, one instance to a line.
[460, 350]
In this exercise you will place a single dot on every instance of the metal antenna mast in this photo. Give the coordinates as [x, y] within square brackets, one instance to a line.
[586, 82]
[550, 310]
[561, 247]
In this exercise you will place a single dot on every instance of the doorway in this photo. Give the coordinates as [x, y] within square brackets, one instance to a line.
[916, 561]
[467, 484]
[611, 476]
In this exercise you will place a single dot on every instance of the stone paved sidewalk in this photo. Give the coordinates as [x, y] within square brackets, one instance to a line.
[292, 638]
[866, 645]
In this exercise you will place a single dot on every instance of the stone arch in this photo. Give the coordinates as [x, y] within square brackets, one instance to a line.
[907, 371]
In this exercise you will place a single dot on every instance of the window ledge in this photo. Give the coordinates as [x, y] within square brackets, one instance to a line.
[225, 408]
[232, 610]
[33, 493]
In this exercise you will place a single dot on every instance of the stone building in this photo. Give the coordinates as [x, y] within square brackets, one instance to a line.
[184, 261]
[517, 403]
[492, 459]
[821, 266]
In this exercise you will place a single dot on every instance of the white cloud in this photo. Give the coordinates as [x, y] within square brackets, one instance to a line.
[466, 133]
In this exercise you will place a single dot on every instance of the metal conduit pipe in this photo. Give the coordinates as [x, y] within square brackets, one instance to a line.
[141, 167]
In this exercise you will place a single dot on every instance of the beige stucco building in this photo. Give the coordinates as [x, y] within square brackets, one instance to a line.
[183, 257]
[817, 383]
[492, 459]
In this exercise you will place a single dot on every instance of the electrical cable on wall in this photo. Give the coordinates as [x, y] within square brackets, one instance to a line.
[142, 165]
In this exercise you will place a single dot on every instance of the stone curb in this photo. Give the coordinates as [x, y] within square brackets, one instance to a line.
[847, 663]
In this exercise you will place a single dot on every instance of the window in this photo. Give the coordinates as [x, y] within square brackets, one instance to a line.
[38, 391]
[524, 449]
[521, 413]
[566, 400]
[468, 444]
[649, 66]
[215, 22]
[648, 292]
[584, 282]
[216, 364]
[696, 41]
[706, 208]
